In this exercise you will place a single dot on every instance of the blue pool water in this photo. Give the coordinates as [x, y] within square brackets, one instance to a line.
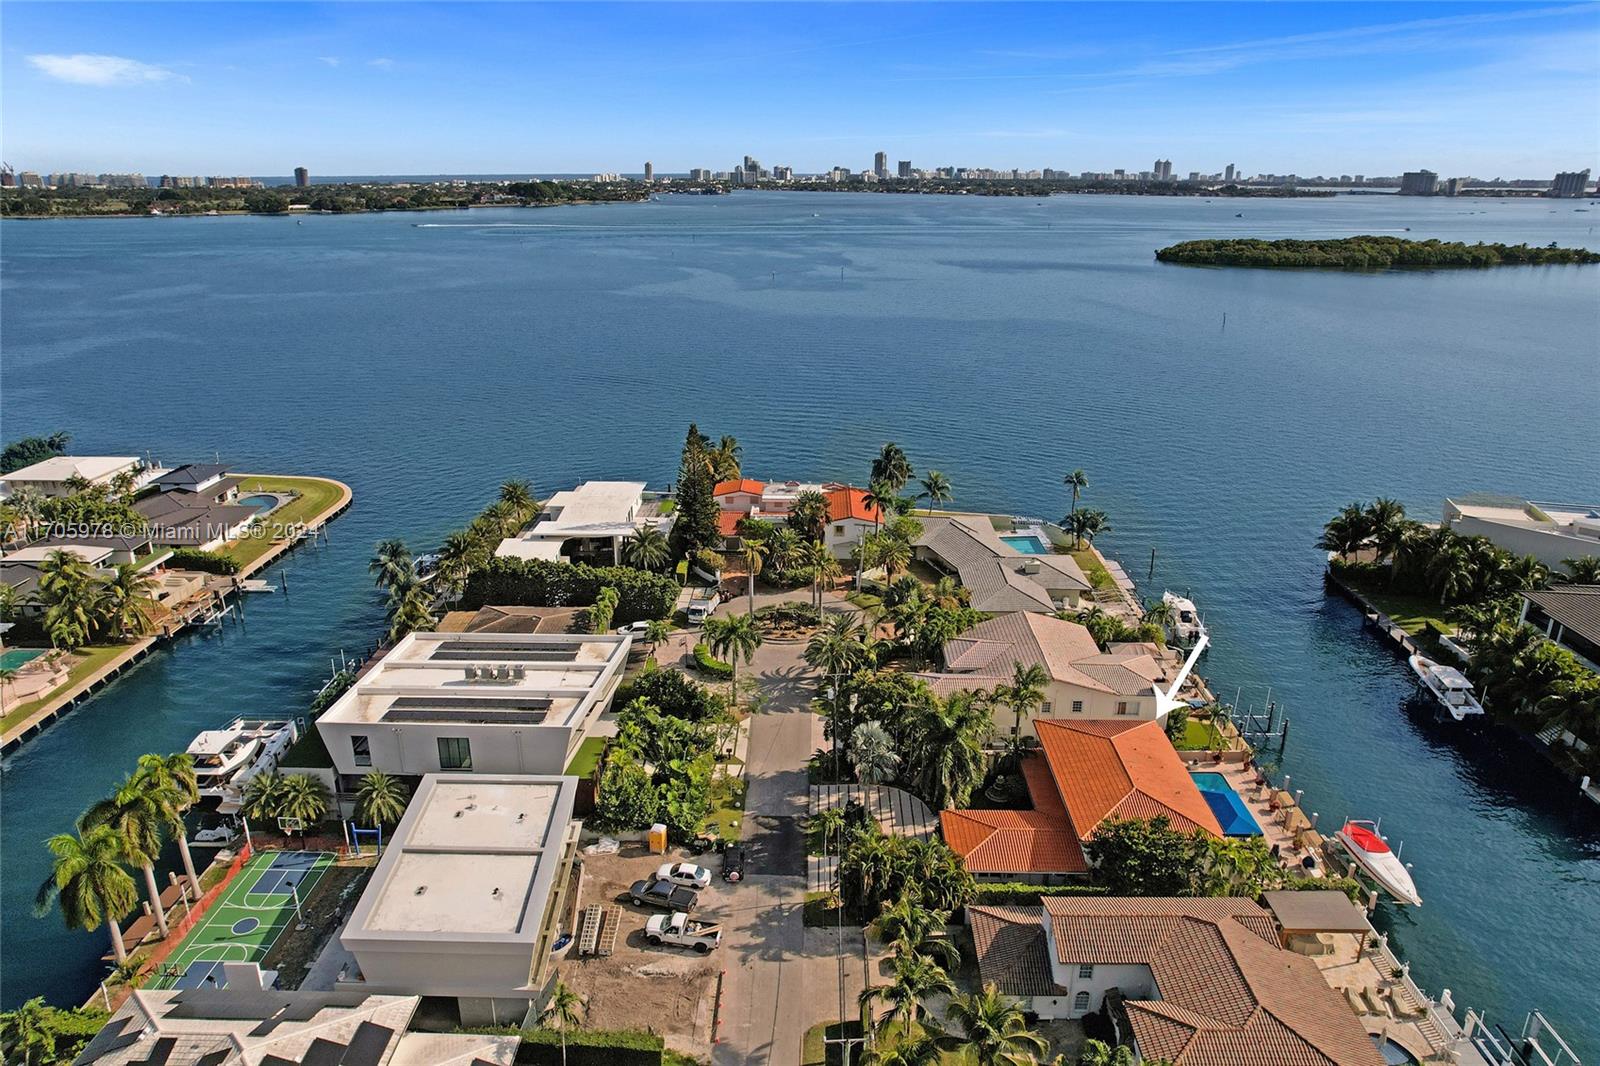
[262, 502]
[1028, 545]
[1234, 817]
[14, 658]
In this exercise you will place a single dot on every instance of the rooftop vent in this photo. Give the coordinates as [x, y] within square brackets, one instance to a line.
[420, 890]
[521, 815]
[1030, 566]
[496, 892]
[458, 814]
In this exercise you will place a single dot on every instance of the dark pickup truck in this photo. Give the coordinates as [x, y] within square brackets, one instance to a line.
[664, 894]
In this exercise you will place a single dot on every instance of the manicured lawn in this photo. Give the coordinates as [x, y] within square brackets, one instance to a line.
[154, 557]
[865, 600]
[727, 807]
[314, 496]
[86, 661]
[1409, 612]
[586, 758]
[1197, 736]
[1093, 568]
[814, 1052]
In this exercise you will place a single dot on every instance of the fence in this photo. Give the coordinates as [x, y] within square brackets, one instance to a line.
[176, 930]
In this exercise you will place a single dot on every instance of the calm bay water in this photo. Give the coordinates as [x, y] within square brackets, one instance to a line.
[425, 358]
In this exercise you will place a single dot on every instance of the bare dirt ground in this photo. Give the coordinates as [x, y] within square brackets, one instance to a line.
[667, 990]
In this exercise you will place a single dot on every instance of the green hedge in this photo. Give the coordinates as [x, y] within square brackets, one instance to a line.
[710, 664]
[585, 1047]
[1021, 894]
[540, 583]
[673, 693]
[203, 561]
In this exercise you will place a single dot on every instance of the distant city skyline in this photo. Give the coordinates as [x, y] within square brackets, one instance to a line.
[1485, 90]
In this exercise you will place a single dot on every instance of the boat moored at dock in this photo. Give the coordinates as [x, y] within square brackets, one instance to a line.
[1371, 852]
[1185, 627]
[1448, 686]
[225, 759]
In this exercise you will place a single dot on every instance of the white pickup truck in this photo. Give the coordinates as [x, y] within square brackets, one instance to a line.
[677, 929]
[701, 604]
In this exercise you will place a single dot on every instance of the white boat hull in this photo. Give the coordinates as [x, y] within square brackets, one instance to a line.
[1383, 867]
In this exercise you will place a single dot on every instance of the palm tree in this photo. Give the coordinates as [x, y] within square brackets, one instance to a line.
[173, 780]
[785, 550]
[824, 567]
[1025, 694]
[810, 514]
[880, 495]
[916, 978]
[935, 489]
[129, 604]
[733, 638]
[8, 674]
[1087, 525]
[946, 754]
[380, 799]
[89, 884]
[1346, 532]
[1386, 526]
[1077, 481]
[912, 929]
[1449, 571]
[1582, 571]
[137, 811]
[458, 555]
[948, 593]
[892, 467]
[25, 1034]
[391, 560]
[72, 599]
[724, 459]
[995, 1030]
[410, 605]
[753, 553]
[562, 1011]
[27, 501]
[518, 494]
[647, 549]
[837, 648]
[919, 1049]
[304, 797]
[655, 631]
[262, 796]
[1525, 574]
[894, 555]
[872, 754]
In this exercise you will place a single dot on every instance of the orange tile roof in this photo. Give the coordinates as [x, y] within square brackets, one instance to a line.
[1112, 769]
[847, 501]
[1012, 842]
[723, 488]
[728, 522]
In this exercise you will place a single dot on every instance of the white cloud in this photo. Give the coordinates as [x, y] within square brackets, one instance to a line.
[332, 61]
[89, 69]
[382, 62]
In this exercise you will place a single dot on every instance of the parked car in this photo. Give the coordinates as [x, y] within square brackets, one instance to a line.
[676, 929]
[686, 874]
[633, 627]
[733, 864]
[653, 892]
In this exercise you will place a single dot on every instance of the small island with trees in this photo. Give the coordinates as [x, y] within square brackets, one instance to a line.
[1367, 253]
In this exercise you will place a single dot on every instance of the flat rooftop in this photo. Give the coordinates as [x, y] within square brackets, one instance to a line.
[487, 678]
[67, 467]
[473, 859]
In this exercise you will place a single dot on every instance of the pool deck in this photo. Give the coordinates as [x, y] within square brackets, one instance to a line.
[1281, 822]
[63, 701]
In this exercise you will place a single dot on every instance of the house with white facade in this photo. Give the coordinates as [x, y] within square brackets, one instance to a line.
[486, 703]
[466, 900]
[587, 524]
[1133, 680]
[55, 476]
[189, 520]
[850, 516]
[1549, 532]
[1195, 982]
[998, 578]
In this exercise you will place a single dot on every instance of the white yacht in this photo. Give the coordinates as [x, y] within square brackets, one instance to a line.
[1448, 686]
[1185, 628]
[224, 759]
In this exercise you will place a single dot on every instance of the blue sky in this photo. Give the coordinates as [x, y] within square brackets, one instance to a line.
[1487, 89]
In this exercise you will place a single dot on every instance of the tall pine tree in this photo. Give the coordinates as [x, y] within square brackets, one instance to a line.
[696, 524]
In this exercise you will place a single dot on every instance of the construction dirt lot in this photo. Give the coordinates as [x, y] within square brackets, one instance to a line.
[668, 990]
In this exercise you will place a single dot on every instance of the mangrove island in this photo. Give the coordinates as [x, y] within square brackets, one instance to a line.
[1366, 253]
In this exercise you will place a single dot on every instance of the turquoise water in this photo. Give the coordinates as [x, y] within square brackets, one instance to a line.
[1001, 341]
[1028, 545]
[1232, 814]
[14, 658]
[261, 502]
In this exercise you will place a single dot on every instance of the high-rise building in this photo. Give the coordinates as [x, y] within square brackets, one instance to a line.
[782, 173]
[699, 174]
[649, 172]
[905, 168]
[1162, 170]
[1570, 183]
[29, 179]
[1228, 174]
[880, 164]
[8, 178]
[302, 177]
[1419, 183]
[1455, 186]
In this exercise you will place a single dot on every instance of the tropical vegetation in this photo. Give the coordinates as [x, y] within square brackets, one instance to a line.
[37, 1034]
[1367, 253]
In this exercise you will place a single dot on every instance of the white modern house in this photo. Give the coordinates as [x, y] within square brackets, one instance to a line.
[997, 576]
[484, 703]
[588, 523]
[465, 901]
[1126, 681]
[55, 476]
[1550, 532]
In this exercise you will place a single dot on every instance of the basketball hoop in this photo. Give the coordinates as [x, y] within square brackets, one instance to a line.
[291, 824]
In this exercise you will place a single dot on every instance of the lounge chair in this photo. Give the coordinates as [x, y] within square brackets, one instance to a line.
[1355, 1001]
[1376, 1004]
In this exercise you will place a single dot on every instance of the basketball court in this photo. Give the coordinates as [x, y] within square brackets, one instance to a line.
[244, 924]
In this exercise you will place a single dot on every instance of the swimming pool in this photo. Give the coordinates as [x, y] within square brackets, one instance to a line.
[1027, 544]
[15, 658]
[261, 501]
[1234, 817]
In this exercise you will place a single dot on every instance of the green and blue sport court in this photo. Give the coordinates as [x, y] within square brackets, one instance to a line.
[246, 920]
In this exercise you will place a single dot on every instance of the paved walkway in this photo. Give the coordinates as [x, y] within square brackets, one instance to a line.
[898, 812]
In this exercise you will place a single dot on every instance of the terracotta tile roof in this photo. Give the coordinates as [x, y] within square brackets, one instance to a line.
[850, 502]
[1013, 842]
[1230, 995]
[1010, 947]
[1113, 769]
[728, 522]
[724, 488]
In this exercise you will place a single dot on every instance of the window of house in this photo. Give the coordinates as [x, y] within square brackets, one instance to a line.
[1122, 706]
[1044, 708]
[1080, 1001]
[1077, 706]
[455, 753]
[1085, 972]
[838, 531]
[361, 750]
